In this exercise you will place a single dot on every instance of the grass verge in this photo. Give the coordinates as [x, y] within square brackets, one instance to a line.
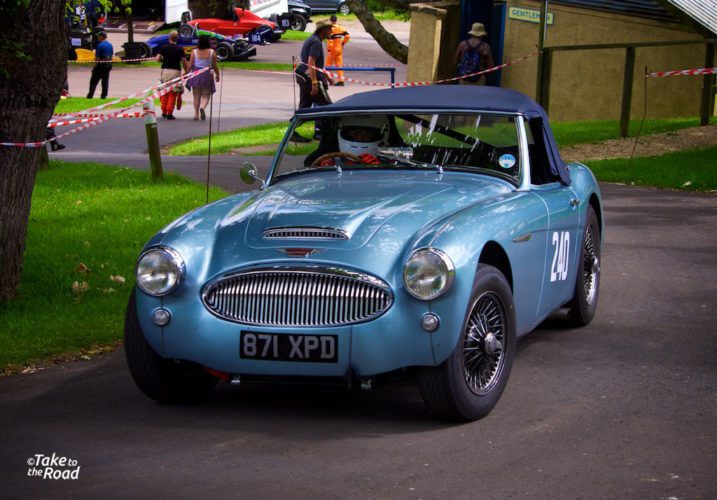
[571, 133]
[566, 134]
[93, 216]
[693, 170]
[291, 35]
[257, 135]
[75, 104]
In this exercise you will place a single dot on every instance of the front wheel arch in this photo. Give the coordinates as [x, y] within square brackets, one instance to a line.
[469, 383]
[494, 255]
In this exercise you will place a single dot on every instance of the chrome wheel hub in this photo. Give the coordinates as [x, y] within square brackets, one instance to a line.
[483, 354]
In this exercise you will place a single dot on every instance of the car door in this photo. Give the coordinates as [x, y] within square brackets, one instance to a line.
[561, 203]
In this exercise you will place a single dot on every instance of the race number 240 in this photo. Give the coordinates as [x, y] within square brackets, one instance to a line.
[559, 266]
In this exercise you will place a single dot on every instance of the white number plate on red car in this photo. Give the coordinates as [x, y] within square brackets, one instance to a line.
[289, 347]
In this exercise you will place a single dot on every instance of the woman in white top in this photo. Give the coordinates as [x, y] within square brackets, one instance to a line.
[203, 85]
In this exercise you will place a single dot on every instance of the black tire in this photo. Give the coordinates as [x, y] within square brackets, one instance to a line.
[344, 9]
[144, 51]
[186, 30]
[455, 390]
[582, 307]
[165, 380]
[298, 22]
[225, 52]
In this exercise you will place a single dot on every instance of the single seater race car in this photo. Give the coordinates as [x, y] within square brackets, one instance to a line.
[247, 24]
[227, 48]
[428, 229]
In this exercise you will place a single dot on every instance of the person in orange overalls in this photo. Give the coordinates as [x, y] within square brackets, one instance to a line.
[335, 48]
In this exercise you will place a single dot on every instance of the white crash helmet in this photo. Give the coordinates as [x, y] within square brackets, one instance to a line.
[359, 134]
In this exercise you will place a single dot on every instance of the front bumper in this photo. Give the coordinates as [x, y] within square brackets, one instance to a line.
[390, 342]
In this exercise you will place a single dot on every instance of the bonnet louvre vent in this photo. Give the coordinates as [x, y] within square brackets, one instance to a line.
[304, 233]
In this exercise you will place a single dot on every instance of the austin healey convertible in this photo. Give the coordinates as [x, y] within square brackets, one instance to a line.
[426, 230]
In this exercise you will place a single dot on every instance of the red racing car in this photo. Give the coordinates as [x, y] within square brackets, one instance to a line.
[247, 25]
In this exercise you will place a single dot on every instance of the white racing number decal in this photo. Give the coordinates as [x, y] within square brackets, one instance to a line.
[559, 266]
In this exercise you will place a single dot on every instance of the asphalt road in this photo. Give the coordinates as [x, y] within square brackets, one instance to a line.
[625, 407]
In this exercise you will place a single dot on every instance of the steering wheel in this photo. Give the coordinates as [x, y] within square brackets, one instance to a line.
[335, 154]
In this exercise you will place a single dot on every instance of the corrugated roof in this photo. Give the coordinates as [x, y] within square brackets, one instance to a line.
[638, 8]
[704, 12]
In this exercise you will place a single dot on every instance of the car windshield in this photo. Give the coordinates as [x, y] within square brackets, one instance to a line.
[480, 143]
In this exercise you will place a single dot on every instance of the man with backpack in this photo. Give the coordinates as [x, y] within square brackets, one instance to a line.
[473, 55]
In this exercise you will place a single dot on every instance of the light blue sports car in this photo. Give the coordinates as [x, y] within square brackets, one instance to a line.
[427, 229]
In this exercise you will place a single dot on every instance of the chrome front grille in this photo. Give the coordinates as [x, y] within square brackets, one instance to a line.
[304, 233]
[297, 297]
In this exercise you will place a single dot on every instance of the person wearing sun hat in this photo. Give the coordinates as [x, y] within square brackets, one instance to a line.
[312, 83]
[473, 55]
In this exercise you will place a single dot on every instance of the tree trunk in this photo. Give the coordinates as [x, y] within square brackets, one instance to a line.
[386, 40]
[32, 69]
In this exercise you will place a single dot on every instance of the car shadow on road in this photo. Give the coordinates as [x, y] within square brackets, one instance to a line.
[105, 397]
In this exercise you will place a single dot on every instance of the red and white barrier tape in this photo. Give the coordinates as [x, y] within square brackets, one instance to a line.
[150, 93]
[144, 92]
[684, 72]
[418, 84]
[114, 62]
[136, 114]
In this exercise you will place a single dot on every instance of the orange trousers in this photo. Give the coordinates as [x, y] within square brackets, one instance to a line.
[167, 102]
[335, 58]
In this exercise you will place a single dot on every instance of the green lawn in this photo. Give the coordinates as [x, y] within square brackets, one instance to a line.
[694, 170]
[570, 133]
[75, 104]
[566, 134]
[92, 215]
[257, 135]
[291, 35]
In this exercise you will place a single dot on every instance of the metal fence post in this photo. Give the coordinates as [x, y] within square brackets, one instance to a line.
[627, 80]
[150, 126]
[707, 106]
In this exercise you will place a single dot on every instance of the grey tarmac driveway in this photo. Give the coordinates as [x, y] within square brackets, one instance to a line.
[625, 407]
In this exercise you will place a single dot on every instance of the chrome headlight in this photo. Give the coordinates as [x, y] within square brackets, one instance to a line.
[428, 273]
[159, 271]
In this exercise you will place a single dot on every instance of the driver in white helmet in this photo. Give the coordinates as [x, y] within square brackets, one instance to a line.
[363, 135]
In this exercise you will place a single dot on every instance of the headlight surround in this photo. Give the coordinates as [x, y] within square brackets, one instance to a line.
[160, 270]
[428, 273]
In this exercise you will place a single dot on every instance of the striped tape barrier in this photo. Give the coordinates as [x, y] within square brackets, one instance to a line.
[684, 72]
[93, 61]
[150, 94]
[418, 84]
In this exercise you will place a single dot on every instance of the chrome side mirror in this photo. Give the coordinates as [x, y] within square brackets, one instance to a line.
[248, 174]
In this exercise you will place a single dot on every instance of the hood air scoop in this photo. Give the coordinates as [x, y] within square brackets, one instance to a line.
[304, 233]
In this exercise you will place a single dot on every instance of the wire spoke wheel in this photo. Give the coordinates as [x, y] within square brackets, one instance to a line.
[483, 341]
[582, 307]
[591, 267]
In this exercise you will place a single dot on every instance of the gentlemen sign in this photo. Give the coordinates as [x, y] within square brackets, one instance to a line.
[529, 15]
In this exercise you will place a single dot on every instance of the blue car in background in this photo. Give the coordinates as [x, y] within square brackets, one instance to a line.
[227, 48]
[427, 230]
